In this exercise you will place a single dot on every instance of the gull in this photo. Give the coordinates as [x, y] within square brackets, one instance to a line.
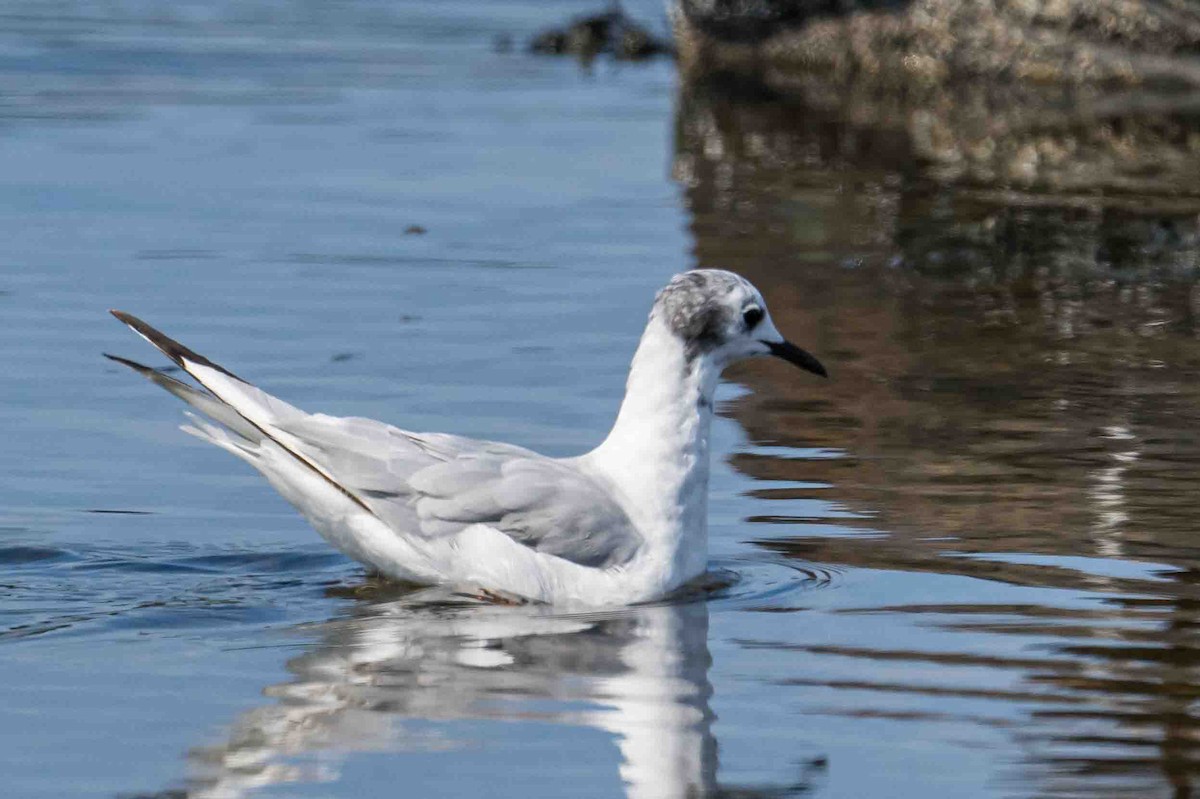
[624, 523]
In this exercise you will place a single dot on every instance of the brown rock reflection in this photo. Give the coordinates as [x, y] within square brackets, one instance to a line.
[1013, 377]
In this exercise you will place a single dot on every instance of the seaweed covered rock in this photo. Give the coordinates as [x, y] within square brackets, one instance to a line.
[919, 42]
[1054, 96]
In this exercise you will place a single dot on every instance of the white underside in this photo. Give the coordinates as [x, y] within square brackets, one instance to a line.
[479, 557]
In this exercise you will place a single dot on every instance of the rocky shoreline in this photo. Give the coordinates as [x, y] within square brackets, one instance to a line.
[904, 43]
[1050, 96]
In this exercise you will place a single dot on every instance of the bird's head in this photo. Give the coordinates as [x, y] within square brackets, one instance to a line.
[721, 317]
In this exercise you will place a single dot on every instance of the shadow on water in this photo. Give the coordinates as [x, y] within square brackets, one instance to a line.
[392, 673]
[1014, 395]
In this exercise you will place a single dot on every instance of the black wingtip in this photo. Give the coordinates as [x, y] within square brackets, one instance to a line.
[167, 345]
[128, 318]
[171, 348]
[125, 362]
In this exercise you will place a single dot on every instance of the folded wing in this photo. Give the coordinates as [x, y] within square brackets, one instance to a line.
[546, 504]
[437, 485]
[430, 485]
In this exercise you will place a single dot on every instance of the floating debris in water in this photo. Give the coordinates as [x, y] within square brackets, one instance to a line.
[415, 230]
[119, 511]
[342, 357]
[610, 32]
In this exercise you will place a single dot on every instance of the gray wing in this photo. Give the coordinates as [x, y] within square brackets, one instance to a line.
[437, 484]
[545, 504]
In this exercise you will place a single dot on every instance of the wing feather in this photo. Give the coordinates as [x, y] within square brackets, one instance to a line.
[546, 504]
[436, 485]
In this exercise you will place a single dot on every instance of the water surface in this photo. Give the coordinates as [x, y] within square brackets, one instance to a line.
[964, 566]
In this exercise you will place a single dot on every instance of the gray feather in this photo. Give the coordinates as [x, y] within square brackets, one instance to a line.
[436, 485]
[199, 399]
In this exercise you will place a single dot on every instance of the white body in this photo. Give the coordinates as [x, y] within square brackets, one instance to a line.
[655, 463]
[624, 523]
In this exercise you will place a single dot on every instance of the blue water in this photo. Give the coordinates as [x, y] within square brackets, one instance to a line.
[962, 567]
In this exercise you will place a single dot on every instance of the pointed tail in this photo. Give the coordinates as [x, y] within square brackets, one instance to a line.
[244, 408]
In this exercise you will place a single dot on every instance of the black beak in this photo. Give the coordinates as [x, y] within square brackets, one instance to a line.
[793, 354]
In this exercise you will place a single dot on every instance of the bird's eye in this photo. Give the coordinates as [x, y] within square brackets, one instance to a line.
[752, 316]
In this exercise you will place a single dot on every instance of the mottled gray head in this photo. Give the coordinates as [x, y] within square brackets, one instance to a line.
[721, 316]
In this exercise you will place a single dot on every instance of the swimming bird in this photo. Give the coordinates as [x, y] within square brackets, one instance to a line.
[626, 522]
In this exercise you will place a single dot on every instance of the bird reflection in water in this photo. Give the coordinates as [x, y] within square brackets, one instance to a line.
[639, 673]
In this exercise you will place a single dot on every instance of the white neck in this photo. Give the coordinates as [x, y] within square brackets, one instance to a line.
[656, 456]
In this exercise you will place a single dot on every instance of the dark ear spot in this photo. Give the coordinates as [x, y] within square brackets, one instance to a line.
[697, 324]
[695, 308]
[704, 331]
